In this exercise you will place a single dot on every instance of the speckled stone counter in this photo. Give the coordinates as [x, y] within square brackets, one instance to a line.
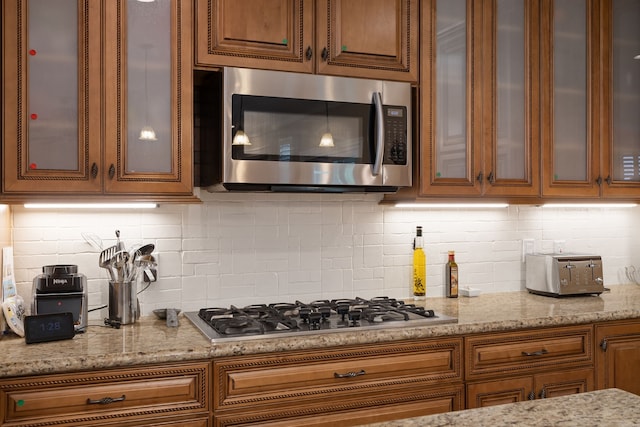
[147, 341]
[611, 407]
[151, 341]
[485, 313]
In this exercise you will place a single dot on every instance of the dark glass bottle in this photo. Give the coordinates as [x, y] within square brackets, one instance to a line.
[452, 276]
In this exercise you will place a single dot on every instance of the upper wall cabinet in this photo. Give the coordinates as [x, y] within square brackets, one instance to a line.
[621, 102]
[98, 98]
[356, 38]
[571, 98]
[479, 91]
[591, 98]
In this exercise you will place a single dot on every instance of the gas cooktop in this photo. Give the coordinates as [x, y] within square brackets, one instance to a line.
[321, 316]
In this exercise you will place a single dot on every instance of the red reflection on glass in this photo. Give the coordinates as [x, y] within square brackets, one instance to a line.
[34, 116]
[33, 166]
[32, 52]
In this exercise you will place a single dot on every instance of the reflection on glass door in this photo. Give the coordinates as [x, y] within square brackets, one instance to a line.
[570, 72]
[148, 87]
[451, 87]
[626, 90]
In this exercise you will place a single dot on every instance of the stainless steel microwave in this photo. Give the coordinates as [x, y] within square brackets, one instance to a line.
[296, 132]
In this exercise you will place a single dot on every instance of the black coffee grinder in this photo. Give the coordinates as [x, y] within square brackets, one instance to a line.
[61, 289]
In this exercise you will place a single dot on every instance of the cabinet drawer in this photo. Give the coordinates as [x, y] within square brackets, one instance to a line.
[98, 396]
[528, 351]
[274, 379]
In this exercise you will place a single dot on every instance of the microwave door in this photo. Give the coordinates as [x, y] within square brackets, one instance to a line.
[306, 142]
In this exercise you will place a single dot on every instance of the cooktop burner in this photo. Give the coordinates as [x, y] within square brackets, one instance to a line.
[321, 316]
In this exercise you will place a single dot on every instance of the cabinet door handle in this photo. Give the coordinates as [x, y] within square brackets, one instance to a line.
[106, 400]
[480, 177]
[325, 54]
[543, 394]
[491, 178]
[349, 374]
[309, 53]
[112, 171]
[532, 395]
[608, 179]
[94, 170]
[599, 181]
[535, 353]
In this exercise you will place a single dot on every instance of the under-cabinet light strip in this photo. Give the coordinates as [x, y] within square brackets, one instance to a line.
[90, 205]
[589, 205]
[452, 205]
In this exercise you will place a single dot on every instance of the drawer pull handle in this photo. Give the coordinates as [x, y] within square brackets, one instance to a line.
[349, 374]
[106, 400]
[535, 353]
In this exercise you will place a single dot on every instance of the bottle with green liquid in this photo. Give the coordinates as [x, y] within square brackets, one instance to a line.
[419, 266]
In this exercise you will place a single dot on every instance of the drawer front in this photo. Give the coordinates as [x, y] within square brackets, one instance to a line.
[517, 352]
[272, 379]
[402, 403]
[88, 397]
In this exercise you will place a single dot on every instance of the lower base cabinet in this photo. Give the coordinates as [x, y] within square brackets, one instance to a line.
[340, 386]
[164, 395]
[553, 384]
[618, 355]
[509, 367]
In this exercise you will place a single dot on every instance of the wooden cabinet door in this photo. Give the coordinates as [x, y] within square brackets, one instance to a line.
[51, 96]
[368, 38]
[511, 137]
[271, 34]
[490, 393]
[479, 99]
[148, 91]
[621, 99]
[570, 82]
[540, 386]
[618, 356]
[451, 114]
[563, 383]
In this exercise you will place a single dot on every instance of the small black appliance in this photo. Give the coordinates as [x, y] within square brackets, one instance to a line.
[61, 289]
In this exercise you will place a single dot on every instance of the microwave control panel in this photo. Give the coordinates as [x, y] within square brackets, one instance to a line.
[395, 141]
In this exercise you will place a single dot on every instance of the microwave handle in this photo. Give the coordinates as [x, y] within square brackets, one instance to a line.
[379, 134]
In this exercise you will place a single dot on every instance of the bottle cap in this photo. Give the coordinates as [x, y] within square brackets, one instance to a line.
[419, 231]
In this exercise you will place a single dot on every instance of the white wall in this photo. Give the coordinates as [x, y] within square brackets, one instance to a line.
[248, 248]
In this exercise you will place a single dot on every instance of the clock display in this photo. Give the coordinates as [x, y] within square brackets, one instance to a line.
[48, 327]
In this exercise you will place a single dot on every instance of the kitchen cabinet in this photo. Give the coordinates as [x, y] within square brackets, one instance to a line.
[621, 98]
[591, 99]
[570, 98]
[345, 385]
[618, 355]
[479, 85]
[169, 394]
[97, 99]
[526, 365]
[356, 38]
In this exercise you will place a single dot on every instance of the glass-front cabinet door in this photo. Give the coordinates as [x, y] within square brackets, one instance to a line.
[570, 78]
[451, 157]
[621, 87]
[148, 93]
[97, 97]
[479, 83]
[51, 93]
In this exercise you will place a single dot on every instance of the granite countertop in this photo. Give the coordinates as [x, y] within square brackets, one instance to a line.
[610, 407]
[150, 341]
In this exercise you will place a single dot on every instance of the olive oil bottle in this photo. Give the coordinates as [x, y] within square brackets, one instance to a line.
[419, 266]
[452, 276]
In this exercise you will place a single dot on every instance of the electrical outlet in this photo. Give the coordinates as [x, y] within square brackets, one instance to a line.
[527, 247]
[558, 246]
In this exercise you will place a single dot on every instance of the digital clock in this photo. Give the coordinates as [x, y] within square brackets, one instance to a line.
[48, 327]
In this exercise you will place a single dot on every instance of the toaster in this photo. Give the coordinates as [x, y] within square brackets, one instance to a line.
[564, 274]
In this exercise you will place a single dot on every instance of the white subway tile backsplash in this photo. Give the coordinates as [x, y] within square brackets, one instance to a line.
[239, 248]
